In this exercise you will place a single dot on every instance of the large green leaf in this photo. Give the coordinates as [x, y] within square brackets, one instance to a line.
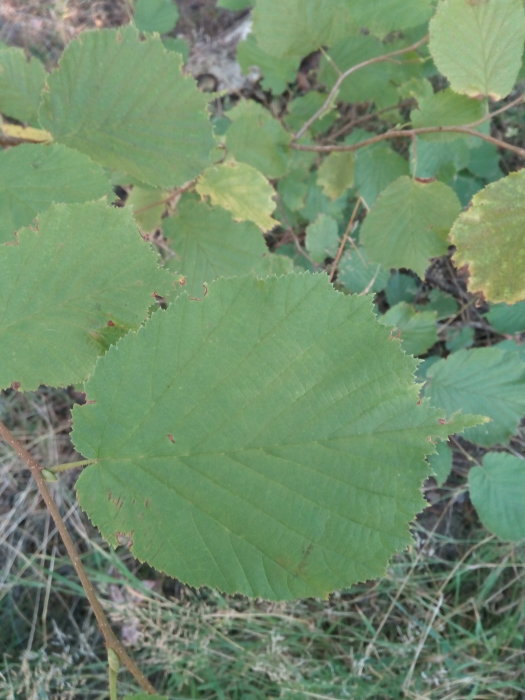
[490, 238]
[21, 82]
[262, 448]
[240, 189]
[32, 177]
[257, 138]
[126, 104]
[84, 271]
[209, 244]
[409, 224]
[298, 27]
[497, 491]
[478, 44]
[488, 381]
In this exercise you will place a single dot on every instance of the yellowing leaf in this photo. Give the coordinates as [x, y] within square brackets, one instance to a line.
[490, 239]
[240, 189]
[336, 174]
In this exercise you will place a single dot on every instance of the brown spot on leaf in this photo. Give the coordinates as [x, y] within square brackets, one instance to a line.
[125, 539]
[171, 438]
[15, 386]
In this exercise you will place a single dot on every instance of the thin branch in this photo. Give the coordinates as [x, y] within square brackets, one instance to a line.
[467, 129]
[342, 77]
[344, 239]
[110, 638]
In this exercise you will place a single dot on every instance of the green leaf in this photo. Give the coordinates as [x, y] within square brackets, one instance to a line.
[358, 274]
[496, 491]
[507, 319]
[322, 238]
[446, 108]
[477, 45]
[257, 138]
[443, 304]
[32, 177]
[155, 15]
[145, 696]
[441, 462]
[490, 238]
[401, 287]
[370, 84]
[409, 223]
[148, 205]
[383, 17]
[84, 269]
[298, 27]
[336, 174]
[209, 244]
[126, 104]
[240, 189]
[442, 161]
[277, 72]
[417, 329]
[459, 337]
[21, 82]
[488, 381]
[263, 448]
[235, 5]
[301, 108]
[375, 168]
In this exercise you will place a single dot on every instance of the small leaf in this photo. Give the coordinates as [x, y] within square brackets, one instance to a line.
[383, 17]
[409, 223]
[490, 238]
[126, 104]
[441, 462]
[257, 138]
[446, 108]
[496, 491]
[358, 274]
[155, 15]
[489, 381]
[21, 82]
[375, 168]
[298, 27]
[417, 329]
[265, 449]
[507, 319]
[209, 244]
[336, 174]
[148, 205]
[277, 73]
[322, 238]
[478, 44]
[85, 268]
[240, 189]
[33, 177]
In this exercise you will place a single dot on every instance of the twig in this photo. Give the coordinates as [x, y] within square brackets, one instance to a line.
[344, 239]
[467, 129]
[110, 638]
[353, 69]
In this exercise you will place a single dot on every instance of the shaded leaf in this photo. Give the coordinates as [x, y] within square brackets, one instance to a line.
[298, 27]
[148, 205]
[84, 269]
[496, 491]
[277, 72]
[240, 189]
[32, 177]
[478, 44]
[409, 223]
[155, 15]
[441, 462]
[507, 319]
[446, 108]
[375, 168]
[489, 381]
[277, 457]
[358, 274]
[209, 244]
[322, 238]
[383, 17]
[21, 82]
[336, 174]
[417, 329]
[490, 238]
[257, 138]
[126, 104]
